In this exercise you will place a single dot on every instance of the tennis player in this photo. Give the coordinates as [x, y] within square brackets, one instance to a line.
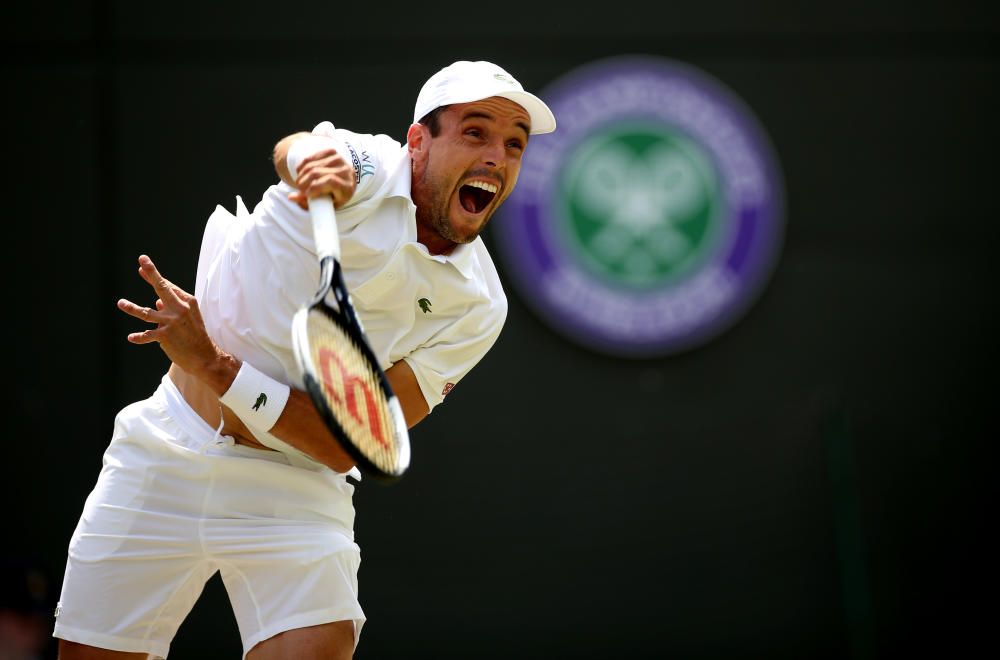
[195, 479]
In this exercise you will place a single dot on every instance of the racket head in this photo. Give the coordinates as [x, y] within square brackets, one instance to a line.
[350, 391]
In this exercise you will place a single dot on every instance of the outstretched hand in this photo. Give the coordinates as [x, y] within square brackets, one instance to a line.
[180, 329]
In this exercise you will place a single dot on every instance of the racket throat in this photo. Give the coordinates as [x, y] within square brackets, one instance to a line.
[328, 269]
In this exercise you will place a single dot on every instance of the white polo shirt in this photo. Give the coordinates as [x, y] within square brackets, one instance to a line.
[440, 313]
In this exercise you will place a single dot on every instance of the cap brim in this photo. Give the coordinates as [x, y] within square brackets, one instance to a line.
[542, 119]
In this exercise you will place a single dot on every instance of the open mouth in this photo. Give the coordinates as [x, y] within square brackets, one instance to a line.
[476, 196]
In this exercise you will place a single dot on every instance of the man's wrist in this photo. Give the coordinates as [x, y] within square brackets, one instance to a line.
[256, 398]
[219, 373]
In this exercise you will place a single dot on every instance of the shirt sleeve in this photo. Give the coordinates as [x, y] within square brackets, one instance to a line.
[441, 363]
[360, 150]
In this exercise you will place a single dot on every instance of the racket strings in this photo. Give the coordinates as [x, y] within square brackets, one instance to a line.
[353, 391]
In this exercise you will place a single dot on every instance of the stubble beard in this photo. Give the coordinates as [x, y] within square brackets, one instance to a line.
[435, 212]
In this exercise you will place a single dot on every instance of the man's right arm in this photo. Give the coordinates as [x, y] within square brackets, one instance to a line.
[279, 156]
[314, 165]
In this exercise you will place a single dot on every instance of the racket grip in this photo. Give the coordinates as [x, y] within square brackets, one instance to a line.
[324, 227]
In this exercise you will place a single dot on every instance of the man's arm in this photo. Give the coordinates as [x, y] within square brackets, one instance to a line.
[208, 371]
[181, 333]
[320, 168]
[301, 426]
[406, 388]
[279, 156]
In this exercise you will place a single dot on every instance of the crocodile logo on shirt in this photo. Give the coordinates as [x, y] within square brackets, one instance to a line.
[261, 401]
[425, 305]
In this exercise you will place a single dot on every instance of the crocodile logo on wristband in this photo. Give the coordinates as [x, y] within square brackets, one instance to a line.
[261, 401]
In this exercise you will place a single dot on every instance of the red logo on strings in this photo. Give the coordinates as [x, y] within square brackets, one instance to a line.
[351, 383]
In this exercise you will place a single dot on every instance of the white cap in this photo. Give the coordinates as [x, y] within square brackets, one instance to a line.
[465, 82]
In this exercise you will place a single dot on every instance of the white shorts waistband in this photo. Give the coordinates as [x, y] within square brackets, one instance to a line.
[200, 436]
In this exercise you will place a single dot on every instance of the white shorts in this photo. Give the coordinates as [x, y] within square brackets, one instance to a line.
[173, 504]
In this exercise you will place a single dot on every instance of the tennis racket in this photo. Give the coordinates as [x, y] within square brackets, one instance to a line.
[339, 369]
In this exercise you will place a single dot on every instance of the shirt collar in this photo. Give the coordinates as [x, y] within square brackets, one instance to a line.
[463, 257]
[400, 177]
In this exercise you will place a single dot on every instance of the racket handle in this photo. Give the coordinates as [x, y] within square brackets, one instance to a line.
[324, 223]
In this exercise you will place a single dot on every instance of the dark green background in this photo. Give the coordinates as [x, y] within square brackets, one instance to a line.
[812, 484]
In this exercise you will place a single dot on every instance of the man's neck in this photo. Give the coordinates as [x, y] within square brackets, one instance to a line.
[434, 242]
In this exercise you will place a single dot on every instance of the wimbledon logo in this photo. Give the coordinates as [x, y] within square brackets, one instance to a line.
[650, 220]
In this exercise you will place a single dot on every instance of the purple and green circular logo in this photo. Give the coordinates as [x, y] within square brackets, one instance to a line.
[650, 220]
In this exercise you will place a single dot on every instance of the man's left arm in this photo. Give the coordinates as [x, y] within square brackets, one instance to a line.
[181, 333]
[406, 388]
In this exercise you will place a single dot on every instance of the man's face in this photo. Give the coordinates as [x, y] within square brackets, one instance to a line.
[461, 176]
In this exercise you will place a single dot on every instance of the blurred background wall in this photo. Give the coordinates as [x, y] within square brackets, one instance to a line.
[811, 482]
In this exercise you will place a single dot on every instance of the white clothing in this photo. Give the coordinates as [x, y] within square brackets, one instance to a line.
[388, 274]
[173, 495]
[175, 502]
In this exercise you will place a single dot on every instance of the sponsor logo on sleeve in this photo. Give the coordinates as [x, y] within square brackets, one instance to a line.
[355, 163]
[367, 166]
[363, 165]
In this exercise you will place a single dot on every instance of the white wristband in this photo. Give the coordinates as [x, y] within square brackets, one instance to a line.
[256, 398]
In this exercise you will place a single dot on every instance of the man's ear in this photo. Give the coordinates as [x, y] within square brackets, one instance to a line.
[418, 139]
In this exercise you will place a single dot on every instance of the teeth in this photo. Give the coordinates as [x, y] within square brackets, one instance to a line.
[488, 187]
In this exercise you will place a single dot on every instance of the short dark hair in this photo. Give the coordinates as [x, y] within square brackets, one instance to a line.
[432, 120]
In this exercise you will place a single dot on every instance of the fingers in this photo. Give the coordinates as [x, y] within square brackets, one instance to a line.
[139, 312]
[319, 156]
[325, 173]
[164, 289]
[179, 329]
[326, 180]
[340, 196]
[144, 337]
[144, 314]
[300, 199]
[170, 295]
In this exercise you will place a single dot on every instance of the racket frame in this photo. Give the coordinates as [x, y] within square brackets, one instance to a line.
[331, 279]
